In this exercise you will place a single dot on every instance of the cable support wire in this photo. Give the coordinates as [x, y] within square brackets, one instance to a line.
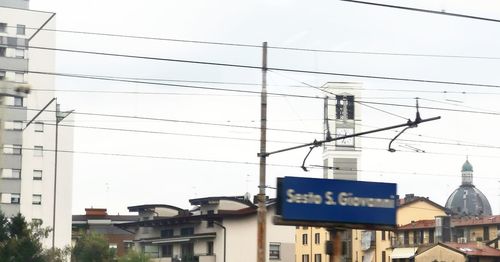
[269, 47]
[442, 12]
[391, 172]
[168, 120]
[113, 79]
[457, 142]
[428, 81]
[169, 133]
[151, 157]
[272, 141]
[435, 108]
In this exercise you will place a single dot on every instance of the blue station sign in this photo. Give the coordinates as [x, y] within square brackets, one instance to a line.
[336, 201]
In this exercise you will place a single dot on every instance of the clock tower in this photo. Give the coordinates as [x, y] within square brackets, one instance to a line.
[341, 158]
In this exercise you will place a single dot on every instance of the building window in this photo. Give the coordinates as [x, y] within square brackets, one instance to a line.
[383, 256]
[166, 233]
[431, 235]
[187, 231]
[305, 258]
[344, 107]
[274, 251]
[317, 238]
[2, 73]
[37, 221]
[3, 27]
[21, 29]
[15, 198]
[37, 199]
[38, 126]
[38, 151]
[304, 239]
[19, 77]
[12, 149]
[19, 53]
[406, 238]
[11, 173]
[18, 101]
[37, 174]
[317, 257]
[167, 250]
[383, 234]
[151, 251]
[10, 198]
[3, 51]
[210, 248]
[486, 233]
[13, 125]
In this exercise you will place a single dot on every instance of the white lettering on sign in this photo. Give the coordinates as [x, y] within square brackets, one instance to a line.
[348, 199]
[343, 199]
[308, 198]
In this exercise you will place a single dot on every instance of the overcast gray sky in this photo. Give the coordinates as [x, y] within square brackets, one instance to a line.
[116, 182]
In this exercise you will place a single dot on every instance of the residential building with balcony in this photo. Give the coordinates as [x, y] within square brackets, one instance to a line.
[97, 220]
[217, 229]
[28, 183]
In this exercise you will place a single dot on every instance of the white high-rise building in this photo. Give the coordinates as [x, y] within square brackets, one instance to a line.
[29, 182]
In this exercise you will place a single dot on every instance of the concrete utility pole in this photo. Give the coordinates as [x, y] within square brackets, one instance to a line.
[261, 210]
[59, 117]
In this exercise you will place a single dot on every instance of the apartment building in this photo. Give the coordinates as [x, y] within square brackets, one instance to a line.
[97, 220]
[28, 181]
[217, 229]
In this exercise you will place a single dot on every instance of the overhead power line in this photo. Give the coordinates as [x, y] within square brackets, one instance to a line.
[270, 47]
[115, 79]
[461, 144]
[443, 12]
[429, 81]
[170, 120]
[435, 108]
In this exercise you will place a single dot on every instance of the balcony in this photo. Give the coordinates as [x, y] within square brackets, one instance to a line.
[196, 258]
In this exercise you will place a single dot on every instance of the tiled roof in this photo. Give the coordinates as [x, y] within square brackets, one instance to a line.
[473, 249]
[455, 222]
[420, 224]
[113, 218]
[403, 203]
[468, 221]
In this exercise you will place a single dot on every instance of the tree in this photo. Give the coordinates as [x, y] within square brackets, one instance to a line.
[134, 256]
[20, 241]
[92, 248]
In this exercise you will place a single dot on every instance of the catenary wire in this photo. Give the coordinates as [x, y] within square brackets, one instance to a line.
[270, 47]
[425, 11]
[274, 141]
[163, 84]
[291, 70]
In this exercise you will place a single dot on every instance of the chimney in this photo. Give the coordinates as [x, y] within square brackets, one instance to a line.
[409, 197]
[96, 212]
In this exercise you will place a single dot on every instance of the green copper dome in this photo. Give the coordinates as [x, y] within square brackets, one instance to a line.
[467, 167]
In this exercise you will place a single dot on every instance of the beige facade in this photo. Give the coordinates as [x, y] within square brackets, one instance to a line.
[440, 253]
[378, 245]
[310, 244]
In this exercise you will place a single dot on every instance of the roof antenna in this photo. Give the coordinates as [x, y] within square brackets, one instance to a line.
[411, 124]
